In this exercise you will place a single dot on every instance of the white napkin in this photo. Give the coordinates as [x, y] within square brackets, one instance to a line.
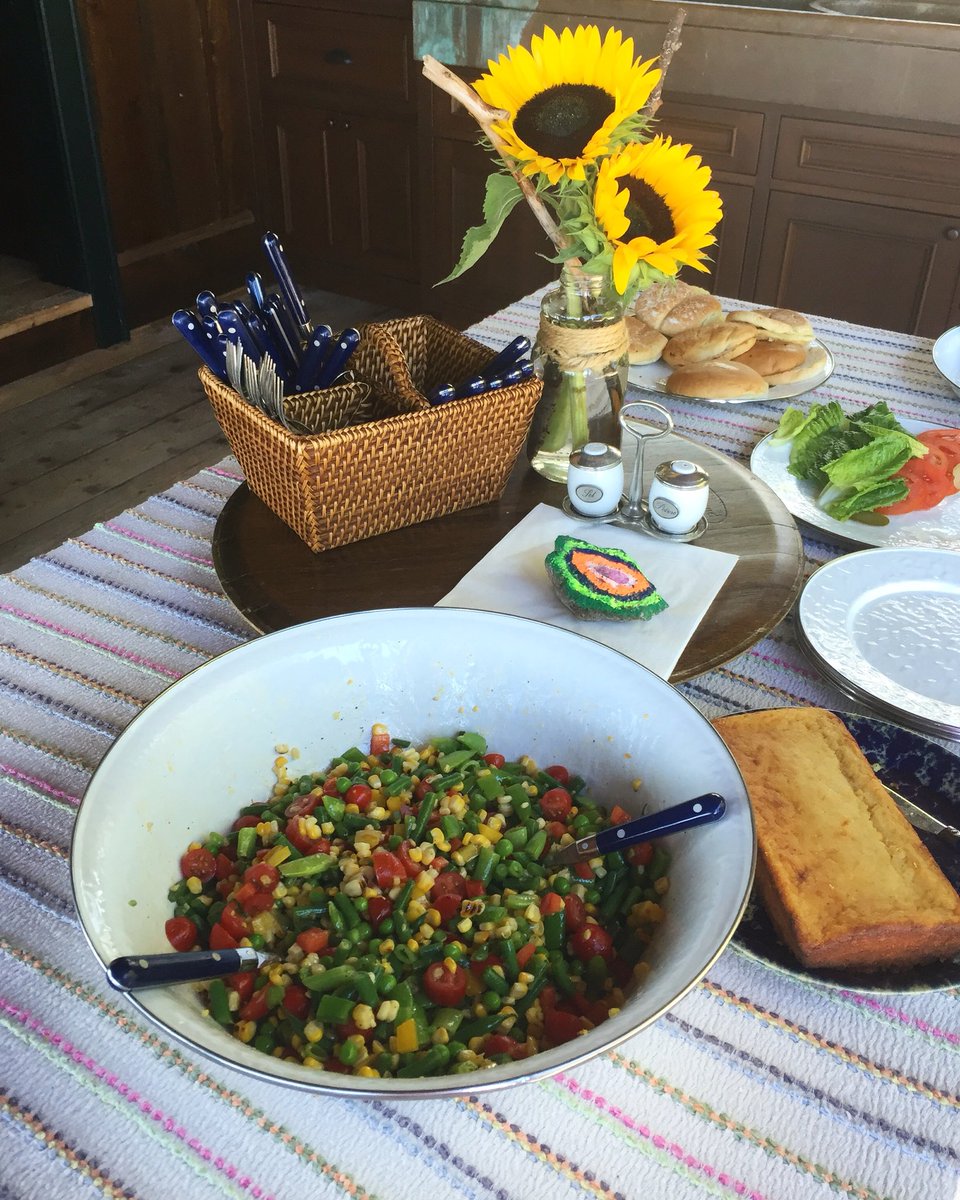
[512, 578]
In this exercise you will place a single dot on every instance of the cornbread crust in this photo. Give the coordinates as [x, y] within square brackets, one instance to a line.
[842, 873]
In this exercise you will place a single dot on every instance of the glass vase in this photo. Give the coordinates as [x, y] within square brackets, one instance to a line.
[581, 354]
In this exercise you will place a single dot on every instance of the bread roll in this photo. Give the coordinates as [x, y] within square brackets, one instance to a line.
[813, 363]
[646, 344]
[781, 323]
[842, 874]
[654, 303]
[717, 380]
[722, 340]
[693, 312]
[769, 358]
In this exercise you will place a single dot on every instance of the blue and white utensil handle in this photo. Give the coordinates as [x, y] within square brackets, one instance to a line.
[344, 346]
[233, 325]
[699, 811]
[507, 356]
[313, 355]
[291, 293]
[135, 971]
[189, 325]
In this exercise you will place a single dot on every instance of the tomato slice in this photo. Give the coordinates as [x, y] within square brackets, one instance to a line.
[225, 866]
[359, 794]
[929, 479]
[245, 823]
[199, 862]
[525, 953]
[447, 905]
[221, 940]
[379, 740]
[262, 875]
[389, 870]
[591, 940]
[499, 1043]
[561, 1026]
[412, 868]
[640, 854]
[556, 803]
[233, 920]
[559, 773]
[576, 912]
[449, 883]
[443, 986]
[256, 1007]
[296, 1000]
[181, 933]
[552, 902]
[302, 806]
[313, 940]
[242, 983]
[474, 886]
[618, 815]
[378, 907]
[302, 840]
[494, 760]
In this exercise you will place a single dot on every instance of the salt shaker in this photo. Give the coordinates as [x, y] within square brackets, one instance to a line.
[595, 479]
[677, 500]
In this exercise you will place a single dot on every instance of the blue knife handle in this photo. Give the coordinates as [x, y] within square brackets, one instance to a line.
[709, 807]
[442, 393]
[474, 386]
[290, 353]
[316, 348]
[291, 293]
[255, 290]
[230, 321]
[210, 328]
[507, 356]
[345, 345]
[188, 325]
[207, 305]
[286, 320]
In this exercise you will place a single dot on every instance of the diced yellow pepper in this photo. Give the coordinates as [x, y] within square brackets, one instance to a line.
[491, 833]
[407, 1036]
[277, 855]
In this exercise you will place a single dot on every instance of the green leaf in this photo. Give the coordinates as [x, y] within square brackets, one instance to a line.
[502, 194]
[876, 494]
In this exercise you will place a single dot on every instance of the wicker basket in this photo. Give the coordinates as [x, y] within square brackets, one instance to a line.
[412, 462]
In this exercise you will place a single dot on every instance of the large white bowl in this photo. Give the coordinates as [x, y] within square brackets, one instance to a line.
[946, 357]
[205, 748]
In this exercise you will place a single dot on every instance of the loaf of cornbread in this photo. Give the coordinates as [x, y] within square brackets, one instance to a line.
[841, 872]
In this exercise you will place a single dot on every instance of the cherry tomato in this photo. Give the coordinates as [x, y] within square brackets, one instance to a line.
[561, 1026]
[181, 933]
[591, 940]
[256, 1007]
[552, 902]
[257, 903]
[329, 787]
[555, 804]
[412, 868]
[245, 823]
[582, 870]
[221, 940]
[313, 940]
[378, 907]
[389, 870]
[494, 760]
[499, 1043]
[640, 854]
[618, 815]
[199, 862]
[560, 774]
[379, 741]
[449, 883]
[262, 876]
[302, 806]
[445, 987]
[359, 794]
[556, 829]
[233, 920]
[447, 905]
[242, 983]
[303, 841]
[576, 913]
[474, 886]
[296, 1000]
[225, 866]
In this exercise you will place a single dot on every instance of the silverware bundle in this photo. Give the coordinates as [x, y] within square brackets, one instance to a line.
[268, 350]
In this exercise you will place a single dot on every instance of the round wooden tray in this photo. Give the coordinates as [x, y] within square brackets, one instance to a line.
[275, 580]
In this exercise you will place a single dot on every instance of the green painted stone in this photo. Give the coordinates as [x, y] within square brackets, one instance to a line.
[601, 582]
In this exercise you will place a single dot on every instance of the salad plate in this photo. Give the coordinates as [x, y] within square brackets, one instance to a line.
[938, 527]
[884, 626]
[922, 771]
[652, 377]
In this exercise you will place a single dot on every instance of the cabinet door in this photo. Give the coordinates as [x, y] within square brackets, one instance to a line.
[887, 267]
[343, 193]
[725, 277]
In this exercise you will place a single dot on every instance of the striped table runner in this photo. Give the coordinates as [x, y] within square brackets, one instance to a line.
[755, 1085]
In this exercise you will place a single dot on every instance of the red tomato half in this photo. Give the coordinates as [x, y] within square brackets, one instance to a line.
[494, 760]
[359, 794]
[378, 907]
[555, 804]
[255, 1007]
[576, 912]
[296, 1000]
[181, 933]
[221, 940]
[560, 774]
[302, 806]
[640, 854]
[242, 983]
[412, 868]
[262, 876]
[303, 841]
[389, 870]
[199, 862]
[447, 905]
[233, 920]
[499, 1043]
[561, 1026]
[591, 940]
[445, 987]
[449, 883]
[379, 742]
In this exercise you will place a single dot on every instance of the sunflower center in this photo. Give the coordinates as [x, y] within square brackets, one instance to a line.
[648, 213]
[558, 122]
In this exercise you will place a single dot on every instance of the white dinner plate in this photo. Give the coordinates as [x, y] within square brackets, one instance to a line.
[946, 357]
[652, 377]
[884, 625]
[937, 527]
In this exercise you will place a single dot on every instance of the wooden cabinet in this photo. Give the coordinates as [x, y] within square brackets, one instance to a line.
[337, 98]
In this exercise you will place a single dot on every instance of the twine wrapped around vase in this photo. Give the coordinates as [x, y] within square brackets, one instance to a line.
[591, 349]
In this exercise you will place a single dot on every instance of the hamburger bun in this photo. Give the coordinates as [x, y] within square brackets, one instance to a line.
[654, 303]
[722, 339]
[646, 345]
[782, 324]
[717, 380]
[771, 358]
[814, 361]
[693, 312]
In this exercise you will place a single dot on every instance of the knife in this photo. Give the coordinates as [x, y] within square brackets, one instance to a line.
[134, 971]
[507, 357]
[699, 811]
[232, 323]
[920, 819]
[344, 346]
[291, 293]
[313, 355]
[188, 324]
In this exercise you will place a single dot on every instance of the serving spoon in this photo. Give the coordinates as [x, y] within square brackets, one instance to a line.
[134, 971]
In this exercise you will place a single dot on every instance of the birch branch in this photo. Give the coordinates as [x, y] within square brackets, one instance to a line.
[671, 44]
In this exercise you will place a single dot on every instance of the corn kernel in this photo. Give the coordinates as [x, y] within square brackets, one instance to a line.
[367, 1072]
[353, 887]
[489, 832]
[195, 846]
[245, 1030]
[415, 909]
[328, 828]
[465, 925]
[313, 1031]
[662, 885]
[194, 886]
[363, 1016]
[440, 1037]
[394, 803]
[388, 1010]
[416, 854]
[387, 946]
[433, 918]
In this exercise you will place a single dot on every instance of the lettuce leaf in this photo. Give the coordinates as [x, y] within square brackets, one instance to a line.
[871, 495]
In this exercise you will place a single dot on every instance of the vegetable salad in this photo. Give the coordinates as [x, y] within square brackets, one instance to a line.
[417, 927]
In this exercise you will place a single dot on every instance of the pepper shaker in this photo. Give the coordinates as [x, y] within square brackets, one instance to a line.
[677, 500]
[595, 479]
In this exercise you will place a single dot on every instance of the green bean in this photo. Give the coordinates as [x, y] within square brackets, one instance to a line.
[537, 844]
[485, 863]
[311, 864]
[219, 1006]
[427, 805]
[521, 900]
[495, 981]
[329, 979]
[348, 910]
[426, 1063]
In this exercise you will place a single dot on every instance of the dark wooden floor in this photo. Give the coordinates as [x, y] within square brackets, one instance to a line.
[82, 441]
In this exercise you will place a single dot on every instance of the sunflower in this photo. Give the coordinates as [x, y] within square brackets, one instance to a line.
[564, 98]
[653, 204]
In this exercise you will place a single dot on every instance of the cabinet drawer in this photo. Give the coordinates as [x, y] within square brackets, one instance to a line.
[350, 58]
[870, 160]
[727, 139]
